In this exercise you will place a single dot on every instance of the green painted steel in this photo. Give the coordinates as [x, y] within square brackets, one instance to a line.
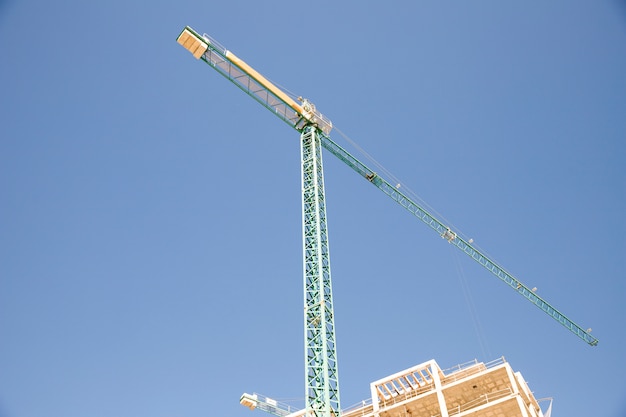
[452, 238]
[322, 382]
[215, 56]
[320, 350]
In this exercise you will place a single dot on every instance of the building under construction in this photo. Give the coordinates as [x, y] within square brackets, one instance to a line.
[474, 389]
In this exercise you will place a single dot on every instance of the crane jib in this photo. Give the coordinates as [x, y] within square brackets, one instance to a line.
[452, 238]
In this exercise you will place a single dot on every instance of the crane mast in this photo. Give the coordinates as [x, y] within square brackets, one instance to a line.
[322, 382]
[321, 378]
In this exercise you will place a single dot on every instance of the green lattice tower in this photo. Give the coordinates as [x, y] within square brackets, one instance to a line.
[322, 388]
[322, 383]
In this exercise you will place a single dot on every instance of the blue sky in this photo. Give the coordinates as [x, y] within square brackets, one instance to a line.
[150, 225]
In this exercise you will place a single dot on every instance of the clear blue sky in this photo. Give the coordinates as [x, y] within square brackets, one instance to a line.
[150, 225]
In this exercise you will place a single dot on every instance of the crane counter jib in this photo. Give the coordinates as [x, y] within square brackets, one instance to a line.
[247, 78]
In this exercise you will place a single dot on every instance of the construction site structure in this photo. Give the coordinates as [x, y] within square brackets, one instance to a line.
[314, 131]
[320, 353]
[473, 389]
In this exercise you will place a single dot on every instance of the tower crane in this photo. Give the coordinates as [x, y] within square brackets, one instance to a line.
[322, 382]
